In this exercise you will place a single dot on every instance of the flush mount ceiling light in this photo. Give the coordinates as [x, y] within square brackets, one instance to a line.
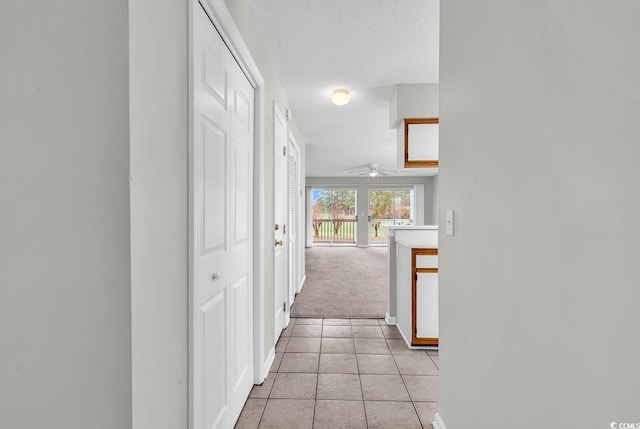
[340, 97]
[373, 173]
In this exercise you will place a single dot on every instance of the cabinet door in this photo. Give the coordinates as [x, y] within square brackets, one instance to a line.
[421, 148]
[425, 297]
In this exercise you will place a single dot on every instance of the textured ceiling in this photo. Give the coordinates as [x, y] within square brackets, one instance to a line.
[367, 46]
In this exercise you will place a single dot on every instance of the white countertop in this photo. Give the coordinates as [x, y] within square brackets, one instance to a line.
[419, 243]
[410, 227]
[415, 236]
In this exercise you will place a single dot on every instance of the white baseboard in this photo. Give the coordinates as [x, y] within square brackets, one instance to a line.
[390, 320]
[438, 423]
[268, 362]
[404, 337]
[304, 279]
[408, 342]
[363, 245]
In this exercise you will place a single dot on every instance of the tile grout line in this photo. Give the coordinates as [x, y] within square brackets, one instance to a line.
[262, 414]
[315, 398]
[407, 389]
[364, 408]
[434, 363]
[413, 404]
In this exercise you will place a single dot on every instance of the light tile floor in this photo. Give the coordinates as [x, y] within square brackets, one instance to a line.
[344, 373]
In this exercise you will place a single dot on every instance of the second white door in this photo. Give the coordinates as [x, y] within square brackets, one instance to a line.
[280, 219]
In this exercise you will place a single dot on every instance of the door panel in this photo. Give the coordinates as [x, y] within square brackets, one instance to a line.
[213, 319]
[214, 76]
[242, 173]
[222, 196]
[214, 186]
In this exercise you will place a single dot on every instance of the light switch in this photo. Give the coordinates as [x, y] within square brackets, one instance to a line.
[448, 222]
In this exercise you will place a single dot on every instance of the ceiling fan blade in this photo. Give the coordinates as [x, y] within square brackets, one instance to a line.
[373, 168]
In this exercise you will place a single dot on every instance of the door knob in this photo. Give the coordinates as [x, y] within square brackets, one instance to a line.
[278, 242]
[216, 276]
[277, 227]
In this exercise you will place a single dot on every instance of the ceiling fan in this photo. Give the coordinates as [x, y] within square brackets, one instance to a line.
[372, 170]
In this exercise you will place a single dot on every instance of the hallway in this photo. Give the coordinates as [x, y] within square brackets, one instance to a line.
[356, 373]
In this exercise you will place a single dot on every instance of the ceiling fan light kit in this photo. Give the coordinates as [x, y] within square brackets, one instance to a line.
[372, 170]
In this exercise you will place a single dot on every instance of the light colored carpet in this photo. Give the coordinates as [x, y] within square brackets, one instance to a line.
[346, 282]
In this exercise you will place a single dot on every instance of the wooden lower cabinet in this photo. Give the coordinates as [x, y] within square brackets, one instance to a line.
[424, 297]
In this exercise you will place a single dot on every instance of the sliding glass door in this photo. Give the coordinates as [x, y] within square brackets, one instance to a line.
[334, 216]
[389, 207]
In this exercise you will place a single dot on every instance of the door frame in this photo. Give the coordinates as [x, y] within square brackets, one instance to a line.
[226, 27]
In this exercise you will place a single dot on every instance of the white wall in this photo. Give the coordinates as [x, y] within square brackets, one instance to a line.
[539, 157]
[159, 192]
[248, 26]
[414, 100]
[65, 354]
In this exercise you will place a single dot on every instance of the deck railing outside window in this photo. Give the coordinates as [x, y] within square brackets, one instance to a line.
[339, 231]
[343, 231]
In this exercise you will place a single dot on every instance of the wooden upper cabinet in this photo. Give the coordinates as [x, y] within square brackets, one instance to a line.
[421, 143]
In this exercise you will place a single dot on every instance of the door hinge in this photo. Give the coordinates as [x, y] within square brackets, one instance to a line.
[284, 229]
[284, 151]
[416, 277]
[284, 307]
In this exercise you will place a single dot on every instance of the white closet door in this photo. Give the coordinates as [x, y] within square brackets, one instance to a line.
[222, 231]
